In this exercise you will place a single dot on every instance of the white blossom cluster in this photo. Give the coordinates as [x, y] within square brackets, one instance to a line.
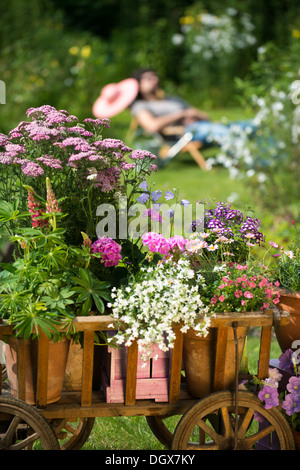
[157, 298]
[212, 36]
[248, 154]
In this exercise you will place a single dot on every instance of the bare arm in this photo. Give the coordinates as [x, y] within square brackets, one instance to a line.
[154, 124]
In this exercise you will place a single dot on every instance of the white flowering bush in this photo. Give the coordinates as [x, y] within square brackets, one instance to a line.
[153, 301]
[268, 158]
[213, 35]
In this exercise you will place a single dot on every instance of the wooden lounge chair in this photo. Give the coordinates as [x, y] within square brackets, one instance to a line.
[171, 141]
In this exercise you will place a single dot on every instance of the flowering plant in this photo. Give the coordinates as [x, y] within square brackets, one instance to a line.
[154, 300]
[222, 234]
[85, 170]
[286, 269]
[229, 286]
[214, 36]
[284, 388]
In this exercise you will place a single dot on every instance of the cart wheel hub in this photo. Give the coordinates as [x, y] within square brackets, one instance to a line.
[229, 444]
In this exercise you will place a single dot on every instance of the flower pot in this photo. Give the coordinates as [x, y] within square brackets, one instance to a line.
[296, 435]
[199, 354]
[289, 302]
[58, 354]
[73, 374]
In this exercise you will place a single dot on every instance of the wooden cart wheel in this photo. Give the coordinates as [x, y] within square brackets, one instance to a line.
[210, 424]
[72, 433]
[163, 428]
[23, 427]
[4, 372]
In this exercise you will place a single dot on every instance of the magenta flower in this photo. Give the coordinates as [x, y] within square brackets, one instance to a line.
[154, 215]
[109, 249]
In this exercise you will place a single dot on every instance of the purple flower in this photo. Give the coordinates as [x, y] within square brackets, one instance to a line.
[169, 213]
[291, 404]
[294, 386]
[143, 185]
[285, 360]
[169, 195]
[155, 195]
[270, 396]
[184, 202]
[143, 198]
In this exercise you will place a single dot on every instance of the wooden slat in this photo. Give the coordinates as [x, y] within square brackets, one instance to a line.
[220, 358]
[42, 370]
[176, 362]
[131, 373]
[21, 369]
[87, 368]
[264, 353]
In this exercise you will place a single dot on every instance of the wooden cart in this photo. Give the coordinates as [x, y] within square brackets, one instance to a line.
[223, 419]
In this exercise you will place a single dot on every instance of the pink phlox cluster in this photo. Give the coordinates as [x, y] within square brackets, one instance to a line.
[157, 243]
[109, 249]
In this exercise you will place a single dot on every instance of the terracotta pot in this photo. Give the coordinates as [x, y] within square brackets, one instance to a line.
[199, 354]
[289, 302]
[296, 435]
[73, 374]
[58, 354]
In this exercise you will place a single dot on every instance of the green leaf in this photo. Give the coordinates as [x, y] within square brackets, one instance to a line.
[98, 302]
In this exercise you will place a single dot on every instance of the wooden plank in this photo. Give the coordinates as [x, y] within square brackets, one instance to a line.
[264, 353]
[21, 369]
[131, 373]
[176, 363]
[220, 358]
[42, 370]
[87, 368]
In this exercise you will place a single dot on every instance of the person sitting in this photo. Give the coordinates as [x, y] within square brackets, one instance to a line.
[154, 111]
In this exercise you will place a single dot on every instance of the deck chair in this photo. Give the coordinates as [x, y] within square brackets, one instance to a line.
[166, 145]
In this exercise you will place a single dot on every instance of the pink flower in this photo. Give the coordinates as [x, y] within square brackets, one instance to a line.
[109, 249]
[243, 302]
[35, 208]
[273, 244]
[222, 298]
[248, 295]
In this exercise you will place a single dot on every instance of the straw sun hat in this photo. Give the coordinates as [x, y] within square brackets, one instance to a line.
[115, 97]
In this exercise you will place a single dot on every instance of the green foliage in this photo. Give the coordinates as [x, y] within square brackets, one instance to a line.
[40, 291]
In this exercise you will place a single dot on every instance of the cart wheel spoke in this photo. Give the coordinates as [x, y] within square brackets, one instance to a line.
[259, 435]
[245, 423]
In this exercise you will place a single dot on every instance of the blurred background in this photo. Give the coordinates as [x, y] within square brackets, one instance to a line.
[233, 59]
